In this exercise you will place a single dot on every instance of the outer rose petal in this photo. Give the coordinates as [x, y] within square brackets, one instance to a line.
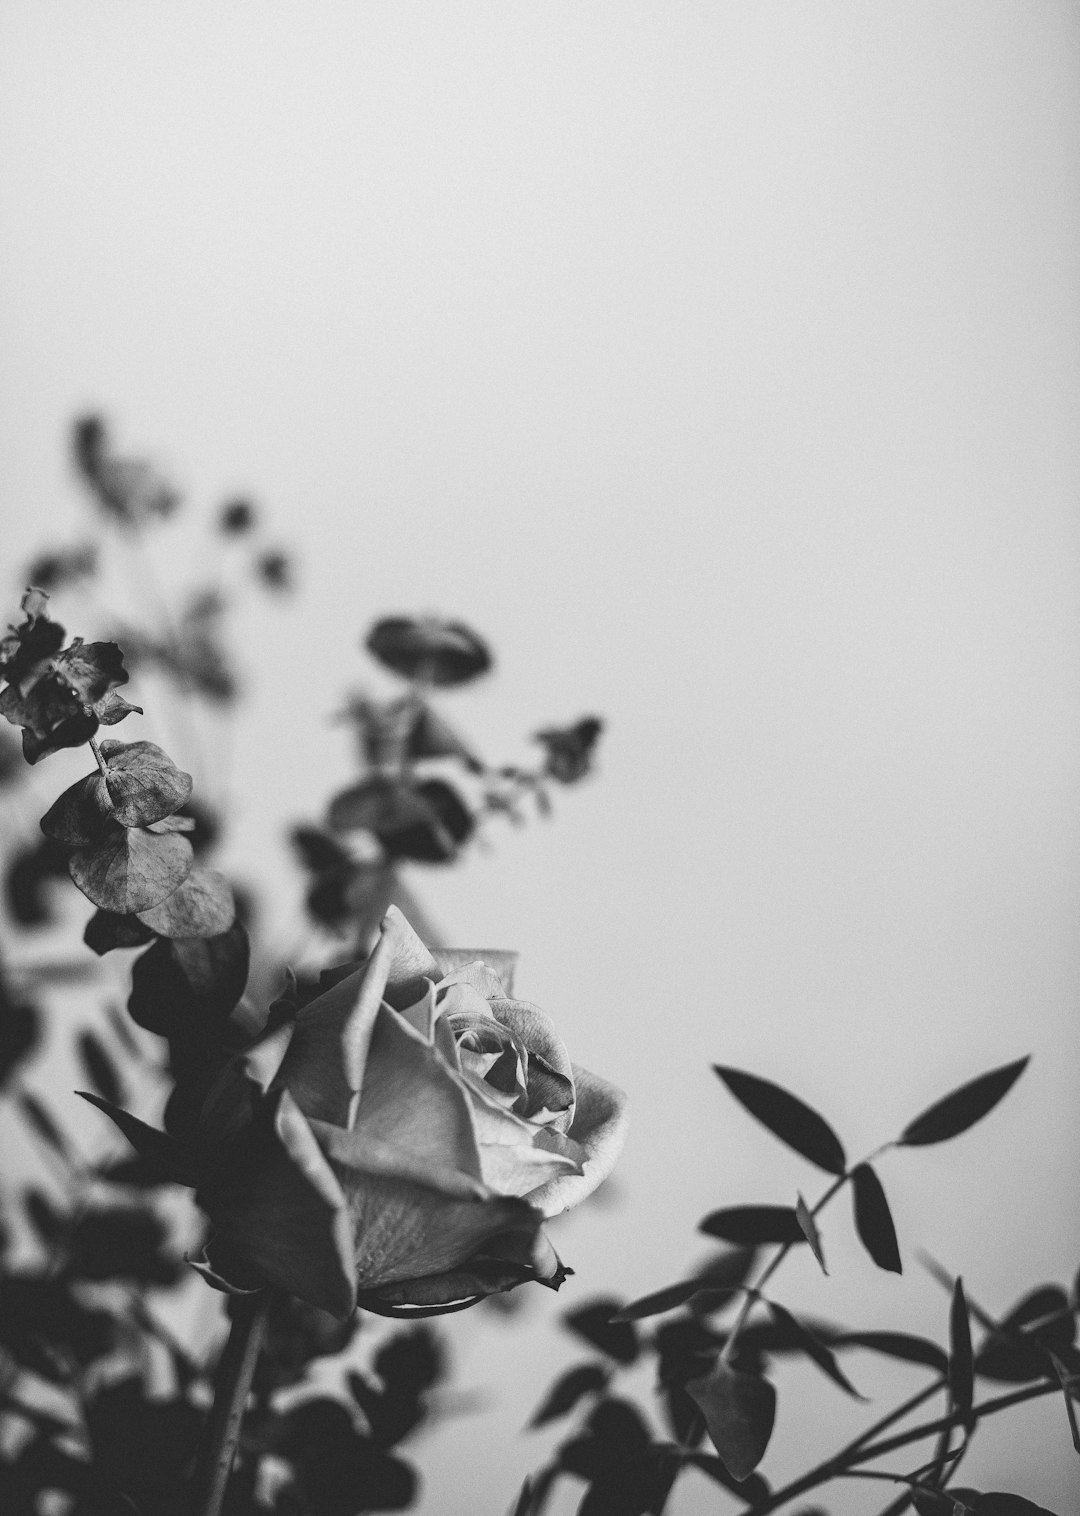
[411, 1101]
[494, 961]
[275, 1202]
[323, 1067]
[410, 961]
[600, 1122]
[408, 1222]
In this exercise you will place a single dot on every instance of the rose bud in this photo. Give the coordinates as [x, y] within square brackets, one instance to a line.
[400, 1141]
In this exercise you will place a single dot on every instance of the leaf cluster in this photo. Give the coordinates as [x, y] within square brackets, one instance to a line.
[716, 1335]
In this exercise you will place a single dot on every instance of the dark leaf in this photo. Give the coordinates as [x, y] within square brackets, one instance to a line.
[275, 569]
[336, 1471]
[298, 1334]
[428, 649]
[739, 1411]
[1039, 1324]
[90, 669]
[568, 750]
[638, 1485]
[29, 873]
[787, 1118]
[106, 930]
[168, 1157]
[48, 1222]
[80, 815]
[752, 1489]
[614, 1434]
[1067, 1391]
[201, 907]
[51, 716]
[36, 1312]
[1001, 1503]
[961, 1364]
[19, 1032]
[407, 1366]
[659, 1301]
[752, 1224]
[601, 1323]
[896, 1345]
[568, 1390]
[928, 1502]
[112, 708]
[65, 566]
[808, 1226]
[721, 1276]
[123, 1242]
[236, 517]
[130, 869]
[813, 1347]
[140, 1444]
[37, 1116]
[187, 988]
[143, 782]
[100, 1069]
[873, 1220]
[962, 1107]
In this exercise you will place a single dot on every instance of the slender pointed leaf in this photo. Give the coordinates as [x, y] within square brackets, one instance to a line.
[814, 1348]
[808, 1226]
[659, 1301]
[961, 1361]
[753, 1224]
[962, 1107]
[897, 1345]
[38, 1117]
[786, 1117]
[739, 1411]
[568, 1390]
[873, 1220]
[166, 1154]
[1067, 1387]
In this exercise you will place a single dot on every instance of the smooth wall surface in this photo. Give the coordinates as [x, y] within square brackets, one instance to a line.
[719, 362]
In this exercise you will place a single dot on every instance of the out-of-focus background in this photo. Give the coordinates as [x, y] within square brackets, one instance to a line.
[719, 363]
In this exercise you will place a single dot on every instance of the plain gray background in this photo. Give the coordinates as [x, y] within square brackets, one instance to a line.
[718, 362]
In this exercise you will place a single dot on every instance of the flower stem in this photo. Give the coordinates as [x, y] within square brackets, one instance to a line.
[231, 1386]
[103, 767]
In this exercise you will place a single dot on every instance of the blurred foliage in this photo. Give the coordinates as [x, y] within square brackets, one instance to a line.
[102, 1402]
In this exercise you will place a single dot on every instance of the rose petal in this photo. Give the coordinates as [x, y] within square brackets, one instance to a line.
[411, 1101]
[410, 962]
[461, 967]
[551, 1077]
[421, 1016]
[523, 1169]
[275, 1202]
[462, 1000]
[324, 1065]
[599, 1126]
[409, 1223]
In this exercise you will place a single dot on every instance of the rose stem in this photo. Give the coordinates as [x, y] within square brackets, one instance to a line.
[97, 754]
[231, 1385]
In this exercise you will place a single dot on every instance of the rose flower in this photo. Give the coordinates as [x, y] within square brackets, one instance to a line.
[400, 1140]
